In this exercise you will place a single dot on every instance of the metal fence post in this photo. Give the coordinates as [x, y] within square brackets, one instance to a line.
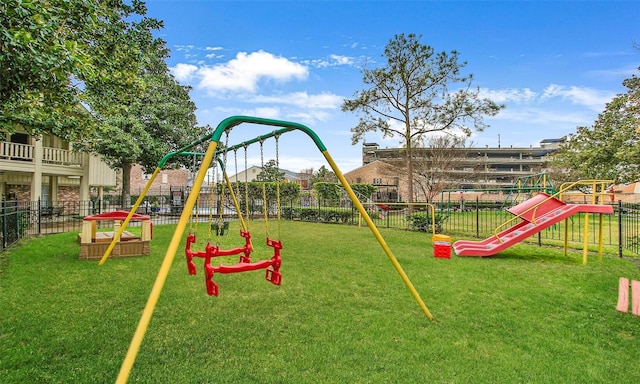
[620, 237]
[477, 217]
[4, 226]
[39, 210]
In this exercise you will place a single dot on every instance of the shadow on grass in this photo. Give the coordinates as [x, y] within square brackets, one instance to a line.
[540, 254]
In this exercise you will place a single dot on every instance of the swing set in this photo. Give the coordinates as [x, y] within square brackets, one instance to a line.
[272, 266]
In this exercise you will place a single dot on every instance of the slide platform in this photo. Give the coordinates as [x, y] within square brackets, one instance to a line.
[537, 213]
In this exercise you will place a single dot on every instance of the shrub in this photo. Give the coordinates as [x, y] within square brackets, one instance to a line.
[421, 221]
[325, 215]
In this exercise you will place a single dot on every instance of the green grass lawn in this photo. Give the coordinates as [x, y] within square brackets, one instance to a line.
[341, 315]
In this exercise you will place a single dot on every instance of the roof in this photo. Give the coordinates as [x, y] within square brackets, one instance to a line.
[560, 140]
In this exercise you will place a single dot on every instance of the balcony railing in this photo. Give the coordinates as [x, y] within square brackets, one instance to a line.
[15, 151]
[25, 152]
[61, 156]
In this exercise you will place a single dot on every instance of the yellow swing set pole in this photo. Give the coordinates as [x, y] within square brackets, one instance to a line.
[376, 233]
[123, 226]
[136, 341]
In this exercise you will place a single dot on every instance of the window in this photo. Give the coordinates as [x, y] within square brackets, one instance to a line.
[20, 138]
[377, 180]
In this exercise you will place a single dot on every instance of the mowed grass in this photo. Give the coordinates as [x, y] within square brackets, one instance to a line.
[341, 315]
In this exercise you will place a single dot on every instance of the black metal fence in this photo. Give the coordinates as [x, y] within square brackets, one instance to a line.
[477, 219]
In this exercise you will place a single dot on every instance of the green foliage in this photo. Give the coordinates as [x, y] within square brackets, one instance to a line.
[363, 191]
[422, 221]
[51, 52]
[610, 149]
[323, 175]
[154, 116]
[317, 214]
[331, 192]
[255, 191]
[327, 191]
[270, 172]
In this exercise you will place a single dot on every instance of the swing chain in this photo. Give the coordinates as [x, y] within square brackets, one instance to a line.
[235, 161]
[220, 224]
[211, 200]
[265, 210]
[246, 185]
[277, 137]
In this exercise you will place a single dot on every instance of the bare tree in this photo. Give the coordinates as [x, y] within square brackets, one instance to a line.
[437, 166]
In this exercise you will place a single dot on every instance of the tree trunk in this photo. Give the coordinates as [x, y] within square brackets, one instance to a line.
[126, 185]
[409, 167]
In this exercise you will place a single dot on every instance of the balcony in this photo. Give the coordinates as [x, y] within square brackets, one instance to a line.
[61, 157]
[13, 151]
[24, 158]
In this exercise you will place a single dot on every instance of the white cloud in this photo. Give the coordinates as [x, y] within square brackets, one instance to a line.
[303, 99]
[589, 97]
[266, 112]
[543, 117]
[246, 70]
[184, 72]
[508, 95]
[333, 61]
[341, 60]
[184, 48]
[308, 117]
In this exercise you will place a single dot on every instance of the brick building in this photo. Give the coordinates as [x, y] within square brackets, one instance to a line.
[162, 183]
[379, 174]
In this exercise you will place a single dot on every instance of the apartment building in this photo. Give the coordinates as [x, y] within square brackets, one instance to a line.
[488, 167]
[47, 169]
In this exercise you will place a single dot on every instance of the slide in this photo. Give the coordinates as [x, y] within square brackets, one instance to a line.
[537, 213]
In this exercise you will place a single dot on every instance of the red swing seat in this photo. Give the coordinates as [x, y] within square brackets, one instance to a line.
[272, 267]
[215, 251]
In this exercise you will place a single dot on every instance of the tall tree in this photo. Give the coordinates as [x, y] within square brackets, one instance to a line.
[50, 50]
[270, 172]
[417, 92]
[610, 149]
[436, 166]
[323, 174]
[142, 130]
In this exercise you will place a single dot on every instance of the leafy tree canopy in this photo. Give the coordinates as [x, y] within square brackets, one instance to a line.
[363, 191]
[270, 172]
[51, 51]
[418, 91]
[327, 191]
[610, 149]
[143, 129]
[323, 174]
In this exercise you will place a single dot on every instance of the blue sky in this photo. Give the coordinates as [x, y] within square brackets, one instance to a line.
[553, 64]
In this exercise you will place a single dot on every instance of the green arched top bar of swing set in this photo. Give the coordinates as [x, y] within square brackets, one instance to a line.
[225, 125]
[233, 121]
